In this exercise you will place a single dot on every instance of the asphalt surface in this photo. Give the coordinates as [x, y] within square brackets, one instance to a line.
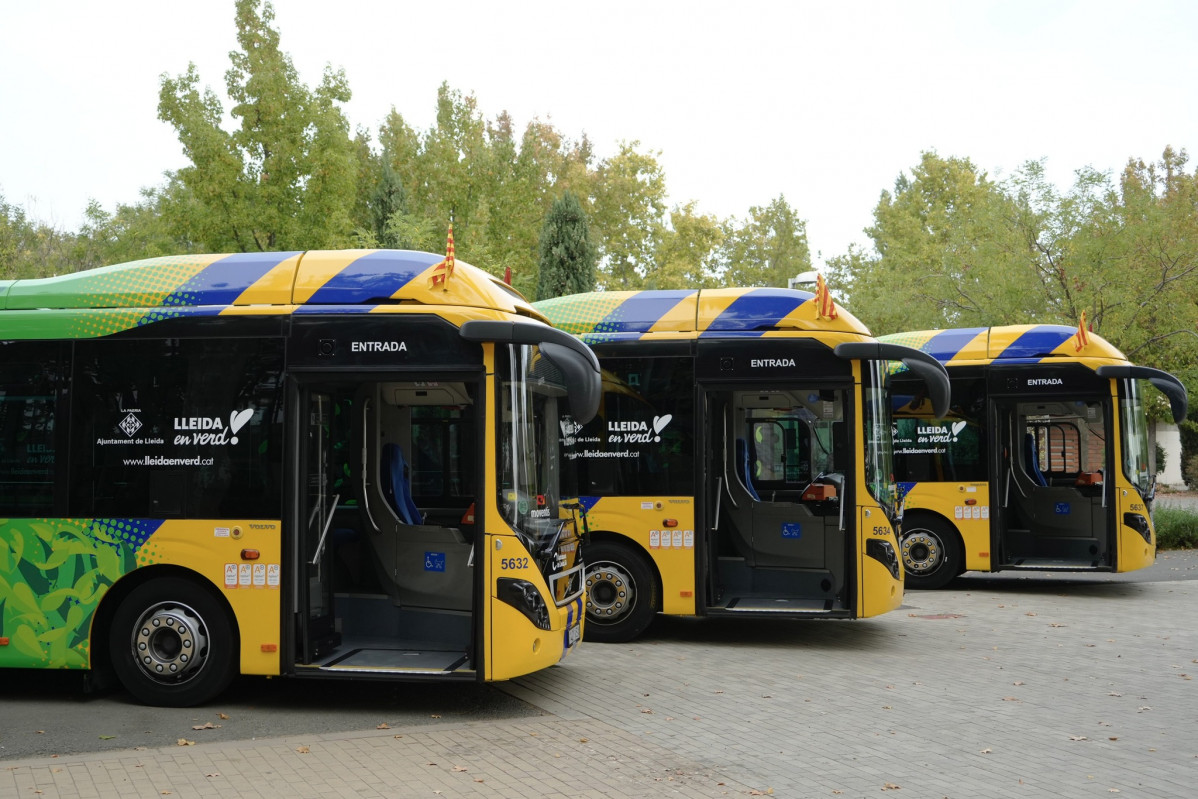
[1044, 685]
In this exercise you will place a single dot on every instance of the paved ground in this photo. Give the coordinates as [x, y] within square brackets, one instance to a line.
[1062, 687]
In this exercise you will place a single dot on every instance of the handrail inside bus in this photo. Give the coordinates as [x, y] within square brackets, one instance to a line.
[325, 532]
[933, 373]
[365, 466]
[1166, 383]
[727, 482]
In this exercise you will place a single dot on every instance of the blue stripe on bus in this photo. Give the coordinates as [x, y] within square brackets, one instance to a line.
[641, 311]
[223, 281]
[114, 532]
[945, 346]
[756, 312]
[374, 277]
[588, 502]
[1039, 342]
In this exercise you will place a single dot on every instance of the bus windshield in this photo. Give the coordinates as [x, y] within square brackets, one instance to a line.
[1135, 437]
[529, 438]
[876, 424]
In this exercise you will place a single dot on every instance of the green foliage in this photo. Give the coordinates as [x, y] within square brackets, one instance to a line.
[31, 249]
[567, 263]
[628, 208]
[1176, 528]
[767, 249]
[1190, 470]
[1188, 432]
[953, 248]
[688, 255]
[286, 177]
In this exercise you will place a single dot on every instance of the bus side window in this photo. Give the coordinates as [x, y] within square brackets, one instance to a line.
[28, 394]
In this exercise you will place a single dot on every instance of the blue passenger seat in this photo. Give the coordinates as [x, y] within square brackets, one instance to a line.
[1033, 460]
[397, 485]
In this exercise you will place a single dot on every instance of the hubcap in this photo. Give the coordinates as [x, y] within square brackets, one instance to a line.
[170, 643]
[922, 552]
[611, 593]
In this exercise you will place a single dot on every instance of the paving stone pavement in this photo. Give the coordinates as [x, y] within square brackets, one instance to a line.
[1052, 688]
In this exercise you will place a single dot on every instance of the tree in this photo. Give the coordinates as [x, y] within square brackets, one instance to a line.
[947, 254]
[628, 210]
[767, 249]
[688, 251]
[284, 179]
[567, 262]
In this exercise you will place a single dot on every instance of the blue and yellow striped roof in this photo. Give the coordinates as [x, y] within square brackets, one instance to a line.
[1005, 344]
[103, 301]
[622, 315]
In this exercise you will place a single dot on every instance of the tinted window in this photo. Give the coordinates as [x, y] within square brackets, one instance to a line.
[177, 428]
[641, 442]
[29, 387]
[952, 449]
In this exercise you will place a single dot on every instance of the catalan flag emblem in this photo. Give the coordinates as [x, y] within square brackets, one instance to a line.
[825, 308]
[1083, 337]
[443, 270]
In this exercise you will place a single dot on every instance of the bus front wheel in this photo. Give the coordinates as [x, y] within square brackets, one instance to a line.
[172, 643]
[931, 554]
[621, 593]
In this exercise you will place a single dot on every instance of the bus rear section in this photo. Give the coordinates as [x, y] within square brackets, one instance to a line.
[1041, 462]
[740, 461]
[338, 468]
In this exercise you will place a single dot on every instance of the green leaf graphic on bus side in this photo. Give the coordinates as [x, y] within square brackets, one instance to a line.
[53, 574]
[26, 643]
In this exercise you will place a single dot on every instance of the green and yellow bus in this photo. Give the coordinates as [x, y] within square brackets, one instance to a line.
[326, 463]
[1041, 462]
[740, 461]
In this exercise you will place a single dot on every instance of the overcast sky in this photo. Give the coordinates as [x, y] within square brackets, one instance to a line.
[823, 102]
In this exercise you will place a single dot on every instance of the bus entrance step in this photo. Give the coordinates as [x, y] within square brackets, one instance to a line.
[756, 604]
[1051, 564]
[396, 661]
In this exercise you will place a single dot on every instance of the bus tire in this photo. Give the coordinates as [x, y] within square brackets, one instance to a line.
[172, 643]
[621, 593]
[931, 553]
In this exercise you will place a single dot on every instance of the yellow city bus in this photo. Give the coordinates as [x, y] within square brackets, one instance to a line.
[1041, 462]
[740, 461]
[325, 463]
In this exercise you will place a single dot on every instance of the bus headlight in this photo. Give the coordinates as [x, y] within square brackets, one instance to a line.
[1140, 524]
[883, 552]
[524, 597]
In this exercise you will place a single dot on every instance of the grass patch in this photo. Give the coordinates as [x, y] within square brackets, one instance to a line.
[1176, 528]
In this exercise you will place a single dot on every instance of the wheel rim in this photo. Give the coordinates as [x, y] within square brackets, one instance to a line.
[170, 643]
[923, 553]
[611, 593]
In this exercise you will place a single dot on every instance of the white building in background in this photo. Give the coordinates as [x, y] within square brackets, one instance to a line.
[1169, 437]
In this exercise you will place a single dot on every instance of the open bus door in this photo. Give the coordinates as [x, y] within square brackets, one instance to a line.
[317, 505]
[1055, 509]
[777, 540]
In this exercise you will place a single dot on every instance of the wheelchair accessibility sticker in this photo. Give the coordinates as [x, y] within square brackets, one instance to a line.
[434, 561]
[1062, 507]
